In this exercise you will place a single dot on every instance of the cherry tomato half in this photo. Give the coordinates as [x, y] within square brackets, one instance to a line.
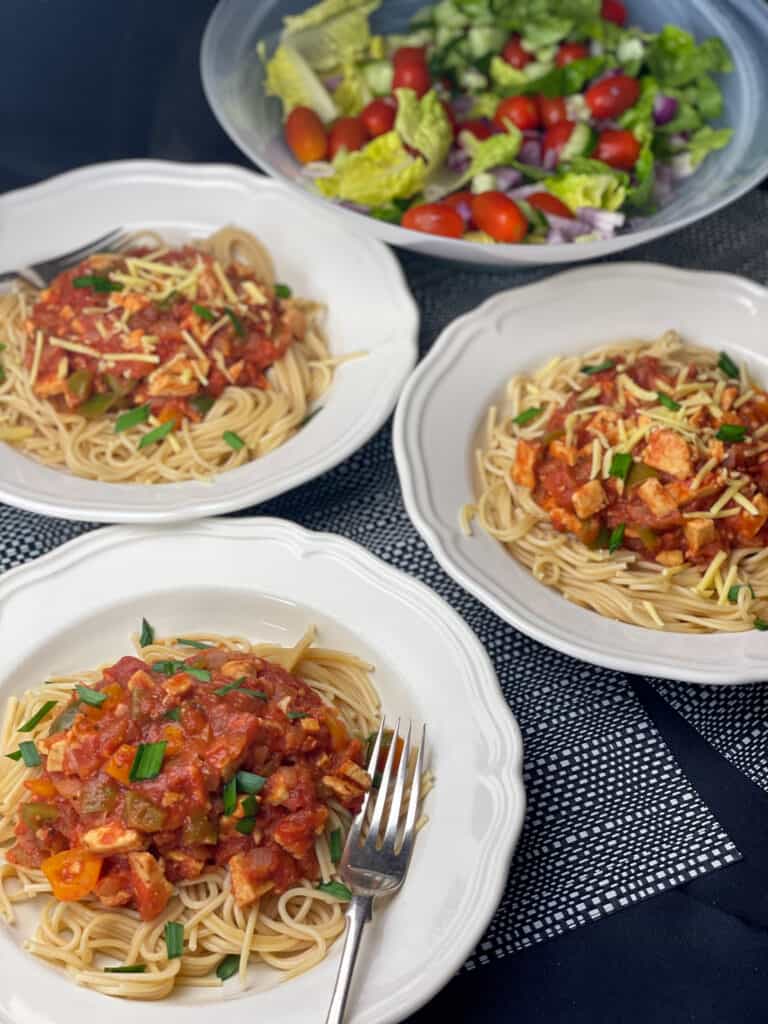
[379, 117]
[612, 96]
[499, 217]
[614, 10]
[411, 71]
[557, 135]
[550, 204]
[434, 219]
[480, 129]
[570, 52]
[305, 134]
[619, 149]
[552, 111]
[520, 110]
[514, 53]
[347, 133]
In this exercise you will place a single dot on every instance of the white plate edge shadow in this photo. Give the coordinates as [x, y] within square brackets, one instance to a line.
[245, 491]
[504, 751]
[416, 489]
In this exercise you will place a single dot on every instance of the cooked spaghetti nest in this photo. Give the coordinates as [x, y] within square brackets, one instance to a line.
[289, 933]
[262, 418]
[729, 592]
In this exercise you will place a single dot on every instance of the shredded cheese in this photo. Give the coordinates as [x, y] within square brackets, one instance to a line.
[128, 357]
[707, 580]
[596, 459]
[36, 357]
[729, 581]
[194, 346]
[228, 289]
[745, 503]
[708, 466]
[73, 346]
[726, 496]
[636, 390]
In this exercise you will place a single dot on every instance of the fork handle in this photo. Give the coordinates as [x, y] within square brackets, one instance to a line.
[358, 916]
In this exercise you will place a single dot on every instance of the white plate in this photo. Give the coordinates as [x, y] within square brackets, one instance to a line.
[269, 580]
[369, 307]
[445, 403]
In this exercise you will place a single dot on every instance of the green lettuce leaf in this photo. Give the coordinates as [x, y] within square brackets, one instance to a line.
[290, 77]
[423, 125]
[639, 118]
[706, 94]
[353, 92]
[484, 104]
[675, 59]
[583, 181]
[320, 13]
[640, 194]
[505, 76]
[377, 174]
[547, 29]
[707, 139]
[498, 151]
[341, 40]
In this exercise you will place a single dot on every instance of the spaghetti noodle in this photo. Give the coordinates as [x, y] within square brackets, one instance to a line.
[634, 480]
[157, 365]
[224, 919]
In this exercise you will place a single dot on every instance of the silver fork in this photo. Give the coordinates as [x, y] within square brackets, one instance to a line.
[375, 864]
[42, 273]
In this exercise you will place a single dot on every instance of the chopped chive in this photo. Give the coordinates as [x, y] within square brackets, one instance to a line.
[204, 313]
[88, 696]
[127, 969]
[337, 889]
[148, 761]
[608, 364]
[670, 403]
[335, 845]
[727, 365]
[229, 965]
[38, 716]
[97, 282]
[282, 291]
[229, 796]
[173, 715]
[731, 432]
[222, 691]
[526, 416]
[258, 694]
[157, 434]
[733, 593]
[233, 440]
[616, 538]
[245, 826]
[132, 418]
[147, 634]
[174, 939]
[203, 403]
[29, 754]
[171, 667]
[621, 463]
[15, 756]
[297, 714]
[249, 782]
[193, 643]
[758, 624]
[249, 806]
[236, 322]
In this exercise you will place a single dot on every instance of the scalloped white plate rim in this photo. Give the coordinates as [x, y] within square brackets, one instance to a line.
[257, 481]
[714, 666]
[502, 750]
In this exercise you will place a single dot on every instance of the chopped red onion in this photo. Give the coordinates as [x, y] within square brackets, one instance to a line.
[664, 108]
[458, 160]
[318, 169]
[464, 209]
[356, 207]
[506, 177]
[462, 105]
[549, 160]
[333, 83]
[530, 152]
[525, 190]
[601, 220]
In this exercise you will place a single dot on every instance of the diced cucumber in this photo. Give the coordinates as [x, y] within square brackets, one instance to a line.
[484, 182]
[580, 143]
[447, 34]
[378, 75]
[537, 220]
[485, 39]
[536, 69]
[473, 80]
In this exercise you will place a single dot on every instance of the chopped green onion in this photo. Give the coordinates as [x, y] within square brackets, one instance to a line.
[38, 716]
[282, 291]
[148, 761]
[335, 845]
[98, 283]
[229, 965]
[203, 403]
[2, 374]
[29, 754]
[157, 434]
[233, 440]
[640, 471]
[229, 796]
[88, 696]
[174, 938]
[527, 415]
[204, 313]
[670, 403]
[759, 624]
[222, 691]
[258, 694]
[245, 825]
[731, 432]
[173, 715]
[621, 463]
[64, 721]
[193, 643]
[617, 536]
[127, 969]
[733, 593]
[727, 365]
[249, 806]
[336, 889]
[236, 322]
[97, 405]
[171, 667]
[297, 714]
[147, 636]
[132, 418]
[598, 367]
[249, 782]
[15, 756]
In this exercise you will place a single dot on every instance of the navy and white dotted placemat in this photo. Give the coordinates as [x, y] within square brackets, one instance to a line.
[611, 818]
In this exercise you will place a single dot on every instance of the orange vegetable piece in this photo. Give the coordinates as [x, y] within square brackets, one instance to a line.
[41, 787]
[120, 764]
[72, 873]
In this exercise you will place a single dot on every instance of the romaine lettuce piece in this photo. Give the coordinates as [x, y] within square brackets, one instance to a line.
[320, 13]
[605, 191]
[293, 80]
[675, 59]
[353, 92]
[375, 175]
[707, 139]
[341, 40]
[423, 125]
[505, 76]
[498, 151]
